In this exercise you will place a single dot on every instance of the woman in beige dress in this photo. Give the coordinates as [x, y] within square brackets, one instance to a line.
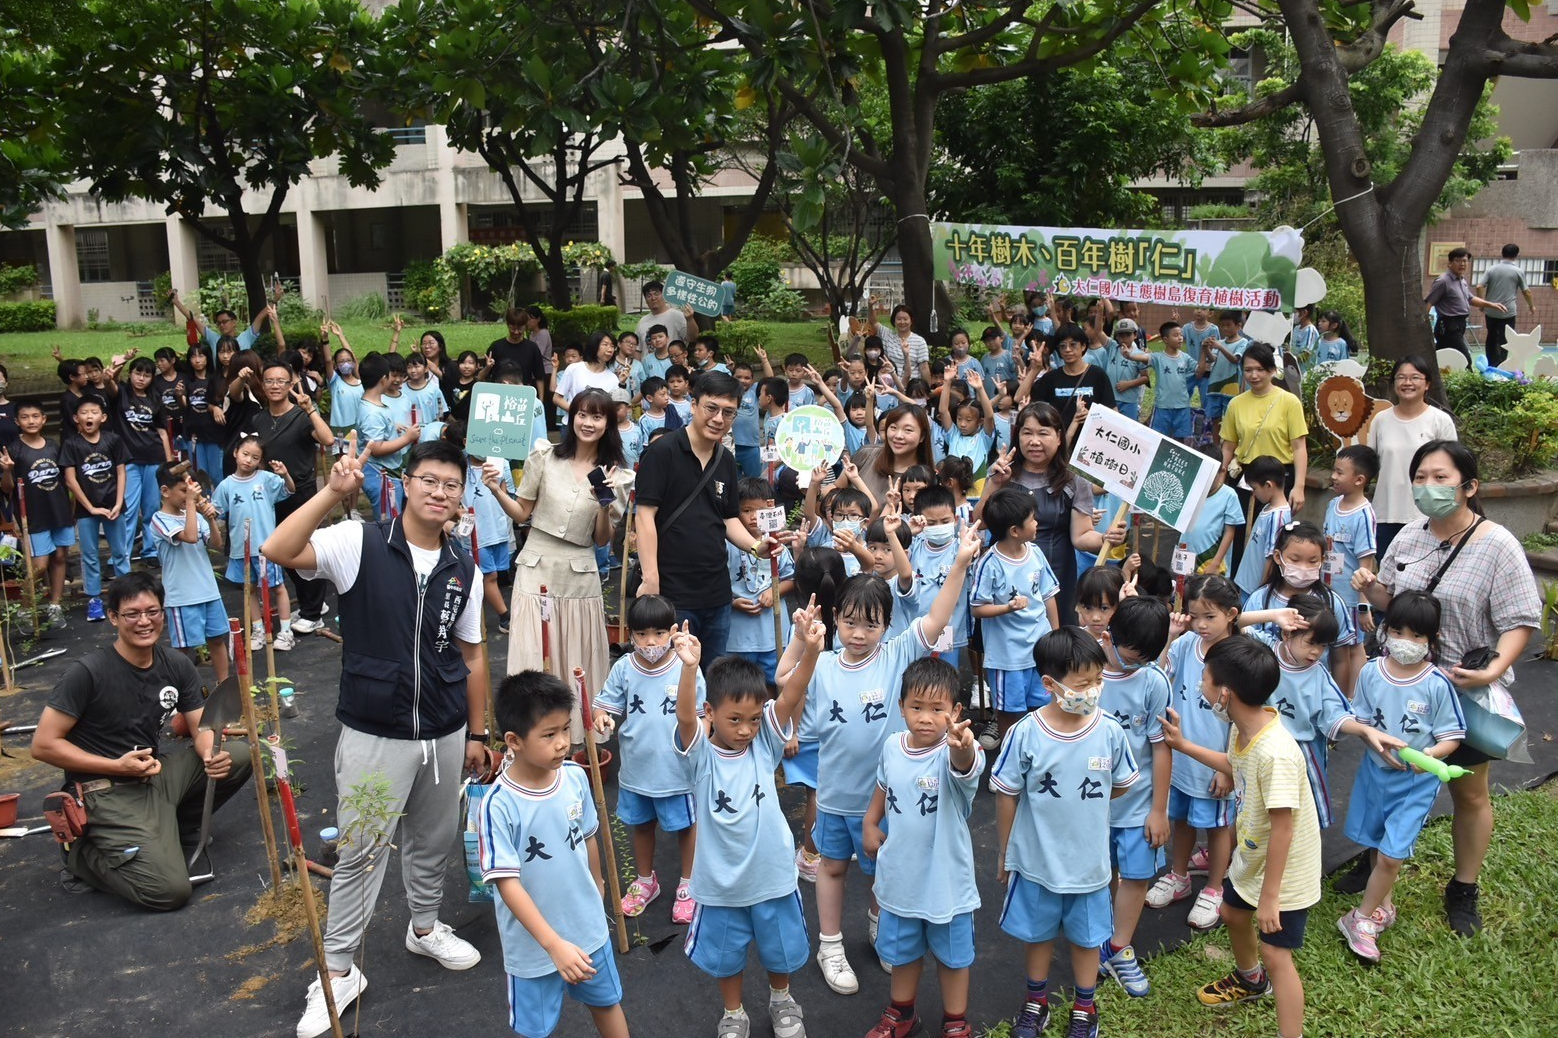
[558, 497]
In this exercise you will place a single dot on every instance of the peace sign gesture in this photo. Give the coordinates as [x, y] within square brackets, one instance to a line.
[346, 473]
[1000, 472]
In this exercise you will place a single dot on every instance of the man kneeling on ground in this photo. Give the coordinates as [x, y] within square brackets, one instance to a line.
[101, 726]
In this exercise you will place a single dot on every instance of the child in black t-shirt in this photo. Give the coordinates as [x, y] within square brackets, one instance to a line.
[93, 460]
[142, 424]
[35, 462]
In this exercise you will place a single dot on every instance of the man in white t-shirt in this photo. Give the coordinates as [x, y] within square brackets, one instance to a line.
[661, 313]
[412, 699]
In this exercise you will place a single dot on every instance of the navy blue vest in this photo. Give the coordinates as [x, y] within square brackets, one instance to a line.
[402, 673]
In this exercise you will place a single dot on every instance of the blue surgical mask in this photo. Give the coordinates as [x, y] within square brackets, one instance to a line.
[848, 525]
[941, 534]
[1129, 668]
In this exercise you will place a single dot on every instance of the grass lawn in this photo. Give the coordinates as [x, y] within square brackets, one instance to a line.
[27, 354]
[1428, 983]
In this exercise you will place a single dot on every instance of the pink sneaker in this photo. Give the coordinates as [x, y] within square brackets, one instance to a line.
[1206, 913]
[682, 907]
[1169, 888]
[806, 864]
[1199, 862]
[1384, 917]
[639, 894]
[1361, 935]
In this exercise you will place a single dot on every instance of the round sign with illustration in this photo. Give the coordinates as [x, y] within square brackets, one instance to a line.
[809, 436]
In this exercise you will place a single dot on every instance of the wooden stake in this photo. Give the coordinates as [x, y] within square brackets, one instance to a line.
[301, 867]
[252, 732]
[481, 614]
[270, 634]
[623, 637]
[609, 864]
[1103, 549]
[32, 580]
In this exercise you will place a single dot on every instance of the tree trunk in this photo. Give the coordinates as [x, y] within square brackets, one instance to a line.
[1393, 299]
[557, 293]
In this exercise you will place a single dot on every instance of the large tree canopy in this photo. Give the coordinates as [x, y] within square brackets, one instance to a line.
[229, 95]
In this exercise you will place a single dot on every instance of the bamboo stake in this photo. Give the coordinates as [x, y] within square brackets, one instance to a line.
[252, 732]
[603, 826]
[1103, 549]
[32, 579]
[270, 634]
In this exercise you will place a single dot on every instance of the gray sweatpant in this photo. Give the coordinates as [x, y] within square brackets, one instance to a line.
[424, 789]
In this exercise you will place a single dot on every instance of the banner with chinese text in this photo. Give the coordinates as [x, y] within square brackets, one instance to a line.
[1157, 475]
[1248, 270]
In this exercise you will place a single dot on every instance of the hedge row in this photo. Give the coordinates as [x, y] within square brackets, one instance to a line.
[27, 317]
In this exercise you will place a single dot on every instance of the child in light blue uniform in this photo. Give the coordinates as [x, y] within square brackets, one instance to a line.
[1211, 535]
[1405, 697]
[425, 400]
[250, 495]
[932, 556]
[925, 785]
[1014, 595]
[751, 585]
[1295, 567]
[851, 690]
[1058, 769]
[535, 834]
[819, 575]
[632, 434]
[744, 875]
[1173, 379]
[1265, 476]
[968, 428]
[181, 529]
[1127, 364]
[747, 431]
[857, 431]
[639, 703]
[1312, 707]
[1136, 694]
[494, 528]
[1349, 531]
[1200, 798]
[887, 540]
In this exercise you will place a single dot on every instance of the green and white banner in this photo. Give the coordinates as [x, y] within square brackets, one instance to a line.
[1240, 270]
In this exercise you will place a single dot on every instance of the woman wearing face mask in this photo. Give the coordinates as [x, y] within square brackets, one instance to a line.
[1488, 599]
[1064, 501]
[572, 495]
[1395, 435]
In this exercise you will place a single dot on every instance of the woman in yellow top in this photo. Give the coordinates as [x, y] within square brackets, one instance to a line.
[1266, 421]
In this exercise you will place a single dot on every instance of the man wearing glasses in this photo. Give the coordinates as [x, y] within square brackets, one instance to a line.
[226, 324]
[687, 502]
[413, 696]
[660, 313]
[101, 725]
[291, 430]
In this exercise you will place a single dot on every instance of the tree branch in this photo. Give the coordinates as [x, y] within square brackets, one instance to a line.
[1257, 109]
[1506, 56]
[1038, 66]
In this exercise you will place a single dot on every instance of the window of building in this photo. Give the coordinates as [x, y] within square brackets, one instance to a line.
[212, 256]
[1538, 272]
[92, 256]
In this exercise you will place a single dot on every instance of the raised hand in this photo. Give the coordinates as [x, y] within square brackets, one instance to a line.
[976, 381]
[1179, 623]
[969, 543]
[688, 649]
[346, 473]
[1000, 472]
[278, 468]
[961, 735]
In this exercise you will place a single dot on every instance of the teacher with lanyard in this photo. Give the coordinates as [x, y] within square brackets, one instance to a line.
[687, 502]
[1488, 601]
[1264, 421]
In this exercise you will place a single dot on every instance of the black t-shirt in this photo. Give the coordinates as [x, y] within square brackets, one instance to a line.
[532, 366]
[118, 706]
[198, 423]
[1059, 390]
[289, 439]
[10, 432]
[170, 393]
[140, 420]
[43, 483]
[97, 468]
[694, 573]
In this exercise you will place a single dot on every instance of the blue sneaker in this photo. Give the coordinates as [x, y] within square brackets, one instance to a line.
[1123, 967]
[95, 611]
[1033, 1019]
[1083, 1024]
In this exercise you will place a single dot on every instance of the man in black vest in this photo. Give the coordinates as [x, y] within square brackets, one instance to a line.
[413, 698]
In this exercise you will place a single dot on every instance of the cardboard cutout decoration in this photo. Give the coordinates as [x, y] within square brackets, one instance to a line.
[1451, 360]
[1528, 356]
[1346, 409]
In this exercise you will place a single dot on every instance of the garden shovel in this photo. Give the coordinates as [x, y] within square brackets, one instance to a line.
[223, 707]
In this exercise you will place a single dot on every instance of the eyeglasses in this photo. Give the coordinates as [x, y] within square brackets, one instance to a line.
[278, 382]
[714, 410]
[135, 616]
[1409, 379]
[432, 483]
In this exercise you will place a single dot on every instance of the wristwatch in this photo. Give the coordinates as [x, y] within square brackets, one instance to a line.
[477, 737]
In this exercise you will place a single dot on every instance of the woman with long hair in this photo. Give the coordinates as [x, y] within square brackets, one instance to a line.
[906, 442]
[432, 347]
[204, 393]
[573, 495]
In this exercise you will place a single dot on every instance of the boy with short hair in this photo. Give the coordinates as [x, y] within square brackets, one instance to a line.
[1014, 594]
[77, 388]
[638, 702]
[423, 395]
[35, 462]
[1173, 379]
[839, 523]
[1226, 350]
[657, 357]
[926, 781]
[1275, 876]
[382, 439]
[1349, 531]
[744, 877]
[677, 384]
[795, 367]
[394, 396]
[752, 587]
[181, 530]
[1136, 693]
[997, 363]
[494, 528]
[1267, 480]
[657, 403]
[1197, 332]
[1058, 769]
[933, 553]
[1127, 363]
[773, 400]
[536, 839]
[94, 459]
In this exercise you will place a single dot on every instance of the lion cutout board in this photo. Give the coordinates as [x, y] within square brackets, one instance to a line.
[1346, 409]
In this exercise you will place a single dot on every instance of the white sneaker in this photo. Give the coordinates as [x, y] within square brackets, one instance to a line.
[316, 1017]
[836, 969]
[1206, 913]
[452, 953]
[55, 614]
[285, 640]
[305, 626]
[873, 919]
[1169, 888]
[257, 639]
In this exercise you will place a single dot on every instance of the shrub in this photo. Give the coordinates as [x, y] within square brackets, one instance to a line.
[738, 340]
[27, 317]
[1220, 211]
[575, 325]
[430, 288]
[779, 303]
[17, 279]
[224, 291]
[756, 271]
[370, 307]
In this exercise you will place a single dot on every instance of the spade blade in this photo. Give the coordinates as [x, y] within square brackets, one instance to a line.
[224, 706]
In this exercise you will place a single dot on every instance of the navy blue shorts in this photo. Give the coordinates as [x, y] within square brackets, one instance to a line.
[1291, 935]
